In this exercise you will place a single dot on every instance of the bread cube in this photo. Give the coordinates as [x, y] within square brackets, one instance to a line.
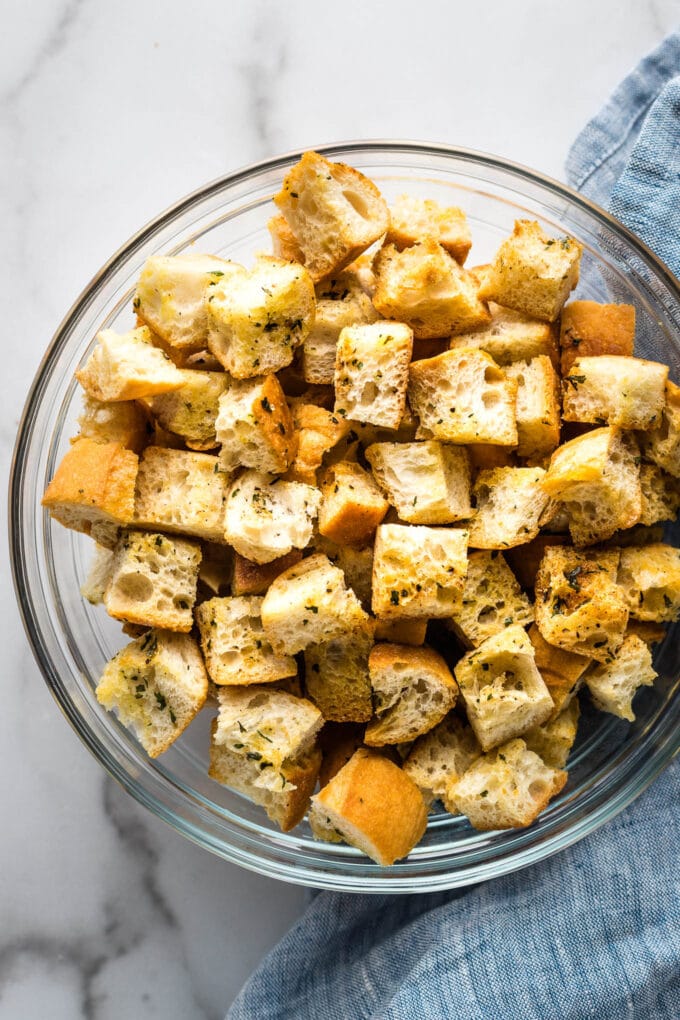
[123, 422]
[483, 456]
[553, 741]
[336, 676]
[492, 600]
[284, 245]
[401, 631]
[614, 390]
[235, 646]
[425, 287]
[156, 685]
[589, 329]
[418, 571]
[427, 483]
[94, 585]
[181, 491]
[538, 406]
[420, 219]
[309, 604]
[660, 495]
[562, 671]
[533, 273]
[217, 567]
[647, 630]
[317, 431]
[127, 366]
[374, 806]
[613, 684]
[579, 606]
[153, 580]
[462, 396]
[440, 756]
[511, 506]
[506, 789]
[512, 336]
[524, 560]
[93, 489]
[340, 301]
[191, 410]
[371, 372]
[413, 690]
[352, 505]
[649, 579]
[266, 517]
[597, 478]
[251, 578]
[254, 426]
[257, 318]
[662, 444]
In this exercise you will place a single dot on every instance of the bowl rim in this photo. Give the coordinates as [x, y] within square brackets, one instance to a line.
[296, 874]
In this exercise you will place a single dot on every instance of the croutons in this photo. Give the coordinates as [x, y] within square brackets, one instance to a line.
[191, 410]
[413, 690]
[254, 426]
[510, 507]
[491, 601]
[660, 495]
[336, 676]
[266, 517]
[418, 571]
[427, 483]
[371, 372]
[441, 756]
[512, 336]
[562, 671]
[613, 684]
[352, 506]
[123, 422]
[538, 406]
[615, 390]
[235, 646]
[589, 329]
[284, 245]
[318, 431]
[553, 741]
[340, 302]
[126, 366]
[662, 444]
[94, 585]
[249, 578]
[649, 578]
[420, 219]
[181, 491]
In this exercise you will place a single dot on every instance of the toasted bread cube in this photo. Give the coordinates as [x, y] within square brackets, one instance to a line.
[94, 585]
[506, 789]
[524, 560]
[191, 410]
[613, 684]
[338, 742]
[181, 491]
[266, 517]
[371, 372]
[614, 390]
[127, 366]
[649, 578]
[562, 671]
[425, 287]
[340, 301]
[156, 685]
[309, 604]
[597, 478]
[512, 336]
[484, 456]
[511, 505]
[579, 606]
[427, 483]
[235, 646]
[93, 489]
[356, 564]
[257, 318]
[503, 691]
[217, 567]
[153, 581]
[418, 571]
[492, 600]
[251, 578]
[647, 630]
[420, 219]
[317, 431]
[374, 806]
[254, 426]
[336, 676]
[284, 245]
[352, 505]
[662, 444]
[538, 406]
[441, 756]
[589, 329]
[462, 396]
[660, 495]
[333, 211]
[413, 690]
[553, 741]
[123, 422]
[533, 273]
[401, 631]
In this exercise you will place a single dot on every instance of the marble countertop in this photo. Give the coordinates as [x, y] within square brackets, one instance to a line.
[109, 113]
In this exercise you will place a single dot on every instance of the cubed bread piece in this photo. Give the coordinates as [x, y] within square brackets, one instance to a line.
[649, 578]
[553, 741]
[427, 483]
[562, 671]
[401, 631]
[340, 301]
[506, 789]
[511, 506]
[123, 422]
[93, 489]
[352, 506]
[418, 571]
[662, 444]
[597, 478]
[492, 600]
[512, 336]
[503, 691]
[181, 491]
[94, 585]
[153, 581]
[660, 495]
[338, 742]
[336, 676]
[426, 288]
[442, 755]
[533, 273]
[524, 560]
[191, 410]
[257, 318]
[267, 517]
[462, 396]
[235, 646]
[217, 567]
[309, 604]
[589, 329]
[156, 685]
[614, 390]
[579, 606]
[284, 245]
[483, 456]
[371, 372]
[317, 431]
[538, 406]
[357, 566]
[374, 806]
[251, 578]
[333, 211]
[254, 426]
[647, 630]
[613, 684]
[413, 690]
[125, 366]
[421, 219]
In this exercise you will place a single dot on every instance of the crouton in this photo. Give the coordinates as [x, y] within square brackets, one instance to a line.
[413, 690]
[418, 571]
[127, 366]
[265, 517]
[524, 560]
[649, 579]
[355, 563]
[191, 410]
[371, 372]
[512, 336]
[662, 444]
[589, 329]
[660, 495]
[553, 741]
[427, 483]
[123, 422]
[352, 506]
[181, 491]
[614, 390]
[250, 578]
[562, 671]
[284, 245]
[484, 456]
[235, 646]
[613, 684]
[440, 756]
[317, 431]
[217, 567]
[254, 426]
[492, 600]
[511, 506]
[401, 631]
[94, 585]
[538, 406]
[340, 301]
[336, 676]
[420, 219]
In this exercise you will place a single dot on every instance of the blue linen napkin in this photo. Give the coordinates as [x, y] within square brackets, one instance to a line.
[594, 931]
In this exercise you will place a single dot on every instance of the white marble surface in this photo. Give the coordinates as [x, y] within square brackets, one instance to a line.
[108, 113]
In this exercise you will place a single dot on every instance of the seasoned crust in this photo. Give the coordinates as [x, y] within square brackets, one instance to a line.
[413, 689]
[590, 329]
[352, 505]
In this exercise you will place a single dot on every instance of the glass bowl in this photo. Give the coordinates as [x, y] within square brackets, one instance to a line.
[613, 761]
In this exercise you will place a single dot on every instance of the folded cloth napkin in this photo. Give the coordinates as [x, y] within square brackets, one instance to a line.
[594, 931]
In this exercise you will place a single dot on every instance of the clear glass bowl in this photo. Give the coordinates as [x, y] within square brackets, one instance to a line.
[612, 762]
